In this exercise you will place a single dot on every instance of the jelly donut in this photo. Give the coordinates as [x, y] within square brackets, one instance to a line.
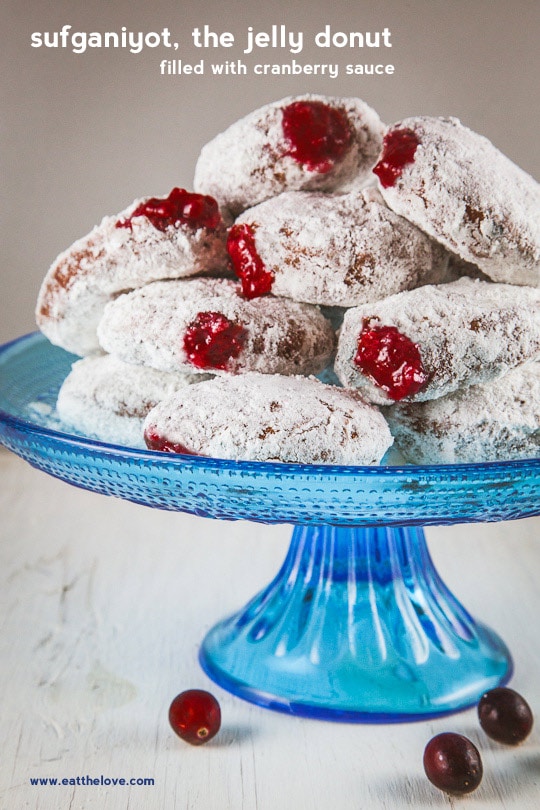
[456, 186]
[341, 250]
[108, 399]
[205, 324]
[267, 417]
[177, 236]
[309, 142]
[490, 422]
[426, 343]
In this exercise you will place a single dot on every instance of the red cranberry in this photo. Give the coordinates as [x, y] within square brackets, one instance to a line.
[453, 764]
[318, 136]
[156, 442]
[399, 148]
[211, 340]
[179, 208]
[505, 716]
[247, 264]
[195, 716]
[390, 359]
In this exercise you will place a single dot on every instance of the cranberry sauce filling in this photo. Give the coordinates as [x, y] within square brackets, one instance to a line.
[390, 359]
[399, 147]
[247, 264]
[156, 442]
[211, 340]
[179, 208]
[318, 136]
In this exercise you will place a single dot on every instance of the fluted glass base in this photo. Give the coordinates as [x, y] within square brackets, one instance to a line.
[356, 626]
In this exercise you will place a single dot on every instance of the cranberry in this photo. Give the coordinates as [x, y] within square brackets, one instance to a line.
[195, 716]
[452, 763]
[211, 340]
[179, 208]
[156, 442]
[390, 359]
[505, 716]
[399, 148]
[247, 264]
[318, 136]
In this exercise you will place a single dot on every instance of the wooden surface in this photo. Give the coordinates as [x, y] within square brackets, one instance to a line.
[103, 605]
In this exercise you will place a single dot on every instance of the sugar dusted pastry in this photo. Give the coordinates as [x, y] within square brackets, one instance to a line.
[174, 237]
[457, 187]
[264, 417]
[308, 142]
[108, 399]
[490, 422]
[337, 250]
[205, 324]
[426, 343]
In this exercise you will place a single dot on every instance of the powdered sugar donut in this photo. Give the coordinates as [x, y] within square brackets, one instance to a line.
[426, 343]
[181, 235]
[108, 399]
[341, 250]
[495, 421]
[308, 142]
[205, 324]
[267, 417]
[457, 187]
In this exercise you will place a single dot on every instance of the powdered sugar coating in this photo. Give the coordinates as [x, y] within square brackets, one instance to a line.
[470, 197]
[248, 163]
[490, 422]
[147, 327]
[263, 417]
[108, 399]
[112, 259]
[341, 250]
[467, 332]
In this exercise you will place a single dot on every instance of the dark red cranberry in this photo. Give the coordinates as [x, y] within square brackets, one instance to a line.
[211, 340]
[505, 716]
[390, 359]
[399, 148]
[179, 208]
[248, 265]
[318, 136]
[453, 764]
[195, 716]
[156, 442]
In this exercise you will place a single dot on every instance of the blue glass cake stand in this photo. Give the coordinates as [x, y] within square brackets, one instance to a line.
[357, 625]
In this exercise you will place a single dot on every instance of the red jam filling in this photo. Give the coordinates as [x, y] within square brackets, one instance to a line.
[211, 340]
[391, 360]
[399, 147]
[156, 442]
[318, 136]
[247, 264]
[179, 208]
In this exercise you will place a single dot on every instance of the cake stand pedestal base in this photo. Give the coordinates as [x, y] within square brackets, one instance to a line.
[357, 626]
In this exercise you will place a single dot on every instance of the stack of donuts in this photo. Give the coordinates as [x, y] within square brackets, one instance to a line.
[401, 265]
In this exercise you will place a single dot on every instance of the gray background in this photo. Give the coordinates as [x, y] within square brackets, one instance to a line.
[83, 135]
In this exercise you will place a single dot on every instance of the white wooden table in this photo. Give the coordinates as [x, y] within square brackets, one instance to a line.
[103, 605]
